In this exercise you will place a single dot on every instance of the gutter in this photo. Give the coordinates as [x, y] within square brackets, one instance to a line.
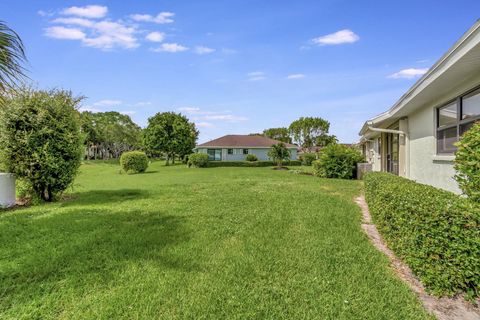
[387, 130]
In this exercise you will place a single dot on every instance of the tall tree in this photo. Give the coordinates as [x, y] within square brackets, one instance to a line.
[309, 132]
[12, 57]
[171, 134]
[280, 134]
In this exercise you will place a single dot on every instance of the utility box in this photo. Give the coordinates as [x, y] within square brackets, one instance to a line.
[7, 190]
[362, 168]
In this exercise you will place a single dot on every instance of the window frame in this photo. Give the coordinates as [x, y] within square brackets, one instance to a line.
[458, 123]
[245, 151]
[228, 151]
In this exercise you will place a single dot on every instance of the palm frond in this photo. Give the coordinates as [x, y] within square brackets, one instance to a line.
[12, 58]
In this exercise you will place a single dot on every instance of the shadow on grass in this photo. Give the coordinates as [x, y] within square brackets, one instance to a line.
[80, 249]
[105, 196]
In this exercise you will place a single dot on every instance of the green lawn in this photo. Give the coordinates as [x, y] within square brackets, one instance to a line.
[218, 243]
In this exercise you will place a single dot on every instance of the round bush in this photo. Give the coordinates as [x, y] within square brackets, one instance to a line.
[308, 158]
[134, 161]
[198, 160]
[337, 161]
[251, 157]
[40, 139]
[467, 163]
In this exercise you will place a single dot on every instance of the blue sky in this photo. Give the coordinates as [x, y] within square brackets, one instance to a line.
[238, 66]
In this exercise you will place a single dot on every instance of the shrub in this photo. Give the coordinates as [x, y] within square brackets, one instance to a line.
[436, 232]
[467, 163]
[251, 157]
[40, 139]
[134, 162]
[248, 164]
[308, 158]
[337, 161]
[198, 160]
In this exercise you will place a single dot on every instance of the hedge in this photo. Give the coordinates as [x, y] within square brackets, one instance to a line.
[436, 232]
[134, 161]
[198, 160]
[250, 164]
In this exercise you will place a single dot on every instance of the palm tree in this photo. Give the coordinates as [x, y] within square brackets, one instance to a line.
[279, 153]
[12, 56]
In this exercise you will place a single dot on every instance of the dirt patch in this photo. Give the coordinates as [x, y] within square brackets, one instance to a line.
[442, 308]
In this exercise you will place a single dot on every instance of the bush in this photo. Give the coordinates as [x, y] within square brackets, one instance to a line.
[251, 157]
[436, 232]
[337, 161]
[40, 139]
[467, 163]
[248, 164]
[279, 154]
[134, 162]
[308, 158]
[198, 160]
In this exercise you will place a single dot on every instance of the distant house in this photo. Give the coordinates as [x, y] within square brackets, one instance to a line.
[237, 147]
[416, 137]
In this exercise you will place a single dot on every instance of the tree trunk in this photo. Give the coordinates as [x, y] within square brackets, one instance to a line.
[173, 158]
[167, 159]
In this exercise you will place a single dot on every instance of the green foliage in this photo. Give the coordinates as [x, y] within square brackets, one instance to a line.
[279, 153]
[198, 160]
[308, 158]
[280, 134]
[337, 161]
[134, 161]
[309, 132]
[12, 56]
[251, 157]
[170, 133]
[109, 134]
[436, 232]
[467, 162]
[249, 164]
[40, 139]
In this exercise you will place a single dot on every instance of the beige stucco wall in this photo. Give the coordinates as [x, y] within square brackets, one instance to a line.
[424, 165]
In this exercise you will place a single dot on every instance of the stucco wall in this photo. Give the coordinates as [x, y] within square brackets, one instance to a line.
[424, 165]
[261, 153]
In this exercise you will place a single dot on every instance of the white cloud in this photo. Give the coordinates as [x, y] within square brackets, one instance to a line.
[92, 11]
[170, 47]
[161, 18]
[108, 103]
[339, 37]
[204, 124]
[155, 36]
[89, 109]
[205, 115]
[142, 103]
[203, 50]
[256, 76]
[59, 32]
[296, 76]
[75, 21]
[409, 73]
[128, 113]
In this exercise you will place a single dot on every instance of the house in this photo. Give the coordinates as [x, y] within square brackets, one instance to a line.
[416, 137]
[237, 147]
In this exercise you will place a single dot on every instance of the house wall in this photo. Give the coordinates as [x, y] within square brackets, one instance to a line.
[261, 153]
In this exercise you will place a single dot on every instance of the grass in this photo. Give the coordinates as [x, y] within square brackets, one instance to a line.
[178, 243]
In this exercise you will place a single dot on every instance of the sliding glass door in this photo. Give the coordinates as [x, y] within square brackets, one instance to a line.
[214, 154]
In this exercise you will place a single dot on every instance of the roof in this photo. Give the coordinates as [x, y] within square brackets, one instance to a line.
[247, 141]
[459, 63]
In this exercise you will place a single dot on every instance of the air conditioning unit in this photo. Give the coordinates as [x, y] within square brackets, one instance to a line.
[7, 190]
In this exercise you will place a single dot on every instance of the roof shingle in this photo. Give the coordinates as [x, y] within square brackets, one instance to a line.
[243, 141]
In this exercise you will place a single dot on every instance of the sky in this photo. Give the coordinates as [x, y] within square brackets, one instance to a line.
[238, 66]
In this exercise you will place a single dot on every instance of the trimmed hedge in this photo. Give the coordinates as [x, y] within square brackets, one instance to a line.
[250, 164]
[436, 232]
[308, 158]
[134, 161]
[198, 160]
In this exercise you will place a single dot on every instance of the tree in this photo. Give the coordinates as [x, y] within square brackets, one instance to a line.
[170, 133]
[12, 56]
[40, 139]
[467, 162]
[280, 134]
[309, 132]
[279, 153]
[109, 134]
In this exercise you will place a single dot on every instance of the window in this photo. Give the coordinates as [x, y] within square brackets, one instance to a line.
[230, 151]
[455, 118]
[214, 154]
[245, 151]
